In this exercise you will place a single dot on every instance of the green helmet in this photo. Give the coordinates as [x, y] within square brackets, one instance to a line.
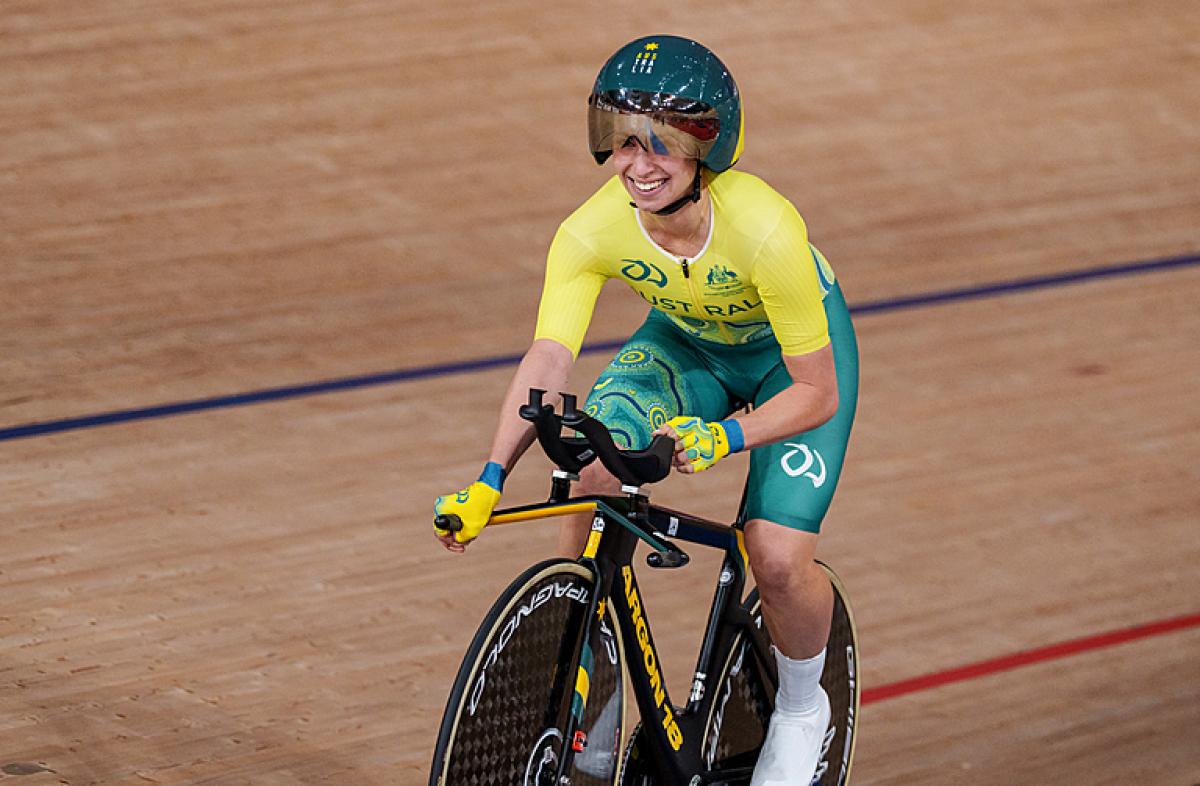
[674, 96]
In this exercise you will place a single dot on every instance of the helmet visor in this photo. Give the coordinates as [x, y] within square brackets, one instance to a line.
[662, 124]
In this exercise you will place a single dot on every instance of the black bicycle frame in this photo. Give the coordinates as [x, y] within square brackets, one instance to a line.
[675, 745]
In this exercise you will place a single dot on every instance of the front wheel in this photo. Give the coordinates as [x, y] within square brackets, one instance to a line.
[509, 705]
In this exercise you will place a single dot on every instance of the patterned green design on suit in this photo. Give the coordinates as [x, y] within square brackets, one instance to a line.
[637, 393]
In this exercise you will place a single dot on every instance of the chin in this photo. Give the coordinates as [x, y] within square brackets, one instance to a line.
[655, 203]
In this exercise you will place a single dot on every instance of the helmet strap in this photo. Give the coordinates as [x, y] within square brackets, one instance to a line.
[691, 197]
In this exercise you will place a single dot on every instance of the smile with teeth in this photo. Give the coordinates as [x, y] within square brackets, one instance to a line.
[648, 186]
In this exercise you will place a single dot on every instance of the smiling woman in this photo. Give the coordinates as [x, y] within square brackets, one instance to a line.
[744, 310]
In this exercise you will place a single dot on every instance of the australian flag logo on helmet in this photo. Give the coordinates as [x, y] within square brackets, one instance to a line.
[643, 61]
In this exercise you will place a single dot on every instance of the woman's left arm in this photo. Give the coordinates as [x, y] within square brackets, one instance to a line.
[809, 401]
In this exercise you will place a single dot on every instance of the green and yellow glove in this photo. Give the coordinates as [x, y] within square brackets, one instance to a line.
[473, 505]
[704, 444]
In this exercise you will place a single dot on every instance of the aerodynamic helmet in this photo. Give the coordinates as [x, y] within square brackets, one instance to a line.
[674, 96]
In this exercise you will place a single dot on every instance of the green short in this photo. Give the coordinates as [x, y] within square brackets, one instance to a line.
[661, 372]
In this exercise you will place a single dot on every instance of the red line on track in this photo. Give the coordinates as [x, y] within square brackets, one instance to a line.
[1064, 649]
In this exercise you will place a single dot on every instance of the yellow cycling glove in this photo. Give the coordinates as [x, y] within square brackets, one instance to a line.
[473, 505]
[705, 444]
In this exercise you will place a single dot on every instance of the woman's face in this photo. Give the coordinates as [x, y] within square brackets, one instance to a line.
[653, 181]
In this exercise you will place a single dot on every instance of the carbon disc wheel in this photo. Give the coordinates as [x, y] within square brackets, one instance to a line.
[509, 705]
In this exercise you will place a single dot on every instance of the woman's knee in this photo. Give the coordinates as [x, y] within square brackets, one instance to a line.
[780, 558]
[596, 479]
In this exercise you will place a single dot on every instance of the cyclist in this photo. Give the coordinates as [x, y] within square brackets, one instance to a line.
[743, 310]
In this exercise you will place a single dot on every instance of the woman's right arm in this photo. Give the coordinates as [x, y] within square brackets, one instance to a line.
[546, 366]
[568, 296]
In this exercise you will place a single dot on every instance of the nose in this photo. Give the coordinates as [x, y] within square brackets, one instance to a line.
[641, 160]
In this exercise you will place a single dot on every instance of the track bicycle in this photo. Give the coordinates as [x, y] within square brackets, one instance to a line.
[539, 699]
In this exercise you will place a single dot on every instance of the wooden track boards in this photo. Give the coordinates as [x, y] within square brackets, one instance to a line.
[218, 198]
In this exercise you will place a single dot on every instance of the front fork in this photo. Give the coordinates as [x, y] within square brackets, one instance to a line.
[574, 737]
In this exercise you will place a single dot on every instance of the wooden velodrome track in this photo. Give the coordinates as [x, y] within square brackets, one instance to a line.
[205, 199]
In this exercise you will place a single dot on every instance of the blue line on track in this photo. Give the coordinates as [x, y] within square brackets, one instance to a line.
[483, 364]
[1024, 284]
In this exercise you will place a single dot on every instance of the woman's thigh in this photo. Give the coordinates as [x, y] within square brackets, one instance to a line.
[655, 376]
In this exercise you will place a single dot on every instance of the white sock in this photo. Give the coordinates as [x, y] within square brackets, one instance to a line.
[799, 681]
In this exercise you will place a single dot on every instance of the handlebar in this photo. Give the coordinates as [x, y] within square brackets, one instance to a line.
[633, 468]
[448, 521]
[571, 454]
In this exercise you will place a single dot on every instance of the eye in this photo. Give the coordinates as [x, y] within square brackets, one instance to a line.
[704, 129]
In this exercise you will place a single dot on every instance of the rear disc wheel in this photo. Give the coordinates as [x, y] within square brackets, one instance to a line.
[741, 711]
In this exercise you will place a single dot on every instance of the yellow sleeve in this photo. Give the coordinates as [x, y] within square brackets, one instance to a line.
[786, 277]
[573, 282]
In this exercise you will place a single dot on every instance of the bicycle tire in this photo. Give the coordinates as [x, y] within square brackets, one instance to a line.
[841, 683]
[740, 711]
[737, 722]
[498, 728]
